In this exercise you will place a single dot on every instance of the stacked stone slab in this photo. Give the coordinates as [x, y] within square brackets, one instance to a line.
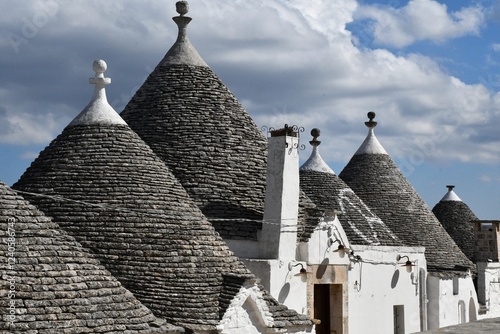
[458, 220]
[377, 180]
[108, 189]
[191, 120]
[329, 192]
[52, 285]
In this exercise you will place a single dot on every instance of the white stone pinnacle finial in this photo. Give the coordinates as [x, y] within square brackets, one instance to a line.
[99, 66]
[98, 111]
[451, 195]
[182, 52]
[371, 145]
[315, 163]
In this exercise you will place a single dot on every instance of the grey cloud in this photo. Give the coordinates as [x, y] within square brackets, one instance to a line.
[294, 69]
[6, 126]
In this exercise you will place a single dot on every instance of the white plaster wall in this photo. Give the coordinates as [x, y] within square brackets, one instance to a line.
[443, 306]
[286, 284]
[322, 247]
[242, 319]
[489, 288]
[377, 283]
[249, 314]
[278, 238]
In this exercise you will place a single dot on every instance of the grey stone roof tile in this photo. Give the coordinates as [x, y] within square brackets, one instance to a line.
[282, 315]
[58, 287]
[309, 217]
[457, 218]
[198, 128]
[191, 120]
[114, 195]
[360, 224]
[377, 180]
[106, 187]
[330, 193]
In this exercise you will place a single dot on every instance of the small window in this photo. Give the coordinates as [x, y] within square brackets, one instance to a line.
[455, 285]
[486, 227]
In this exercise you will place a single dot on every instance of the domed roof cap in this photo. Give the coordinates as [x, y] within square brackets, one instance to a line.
[315, 163]
[450, 195]
[371, 145]
[182, 52]
[98, 111]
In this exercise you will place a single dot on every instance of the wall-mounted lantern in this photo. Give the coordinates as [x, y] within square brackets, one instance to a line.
[341, 248]
[408, 264]
[295, 264]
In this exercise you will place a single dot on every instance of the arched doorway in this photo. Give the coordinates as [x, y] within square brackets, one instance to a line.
[472, 310]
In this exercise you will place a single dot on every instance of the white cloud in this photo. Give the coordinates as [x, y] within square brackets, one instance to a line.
[496, 47]
[29, 155]
[288, 61]
[420, 20]
[30, 129]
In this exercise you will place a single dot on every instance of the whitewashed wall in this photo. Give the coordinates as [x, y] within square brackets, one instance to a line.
[449, 305]
[249, 314]
[285, 283]
[378, 282]
[372, 278]
[375, 280]
[489, 288]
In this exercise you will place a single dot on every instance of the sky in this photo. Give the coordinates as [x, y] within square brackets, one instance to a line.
[430, 70]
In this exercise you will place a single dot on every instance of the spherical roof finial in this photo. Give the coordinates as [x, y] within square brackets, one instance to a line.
[315, 133]
[371, 123]
[182, 7]
[99, 66]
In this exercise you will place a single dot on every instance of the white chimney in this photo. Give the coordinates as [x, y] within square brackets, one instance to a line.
[278, 238]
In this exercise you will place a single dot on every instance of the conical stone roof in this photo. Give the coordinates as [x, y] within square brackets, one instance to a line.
[329, 192]
[457, 218]
[55, 286]
[108, 189]
[377, 180]
[190, 119]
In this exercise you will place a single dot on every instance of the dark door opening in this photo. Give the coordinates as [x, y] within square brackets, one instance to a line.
[328, 308]
[399, 319]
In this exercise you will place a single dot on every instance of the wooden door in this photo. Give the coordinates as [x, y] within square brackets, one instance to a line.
[328, 308]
